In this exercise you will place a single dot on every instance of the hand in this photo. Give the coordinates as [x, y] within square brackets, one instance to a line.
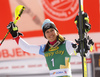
[13, 30]
[85, 19]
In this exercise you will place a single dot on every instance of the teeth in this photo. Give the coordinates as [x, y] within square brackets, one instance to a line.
[51, 36]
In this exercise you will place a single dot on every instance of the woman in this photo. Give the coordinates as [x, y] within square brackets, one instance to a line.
[57, 51]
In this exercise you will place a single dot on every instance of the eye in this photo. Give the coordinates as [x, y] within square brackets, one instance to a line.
[52, 30]
[47, 31]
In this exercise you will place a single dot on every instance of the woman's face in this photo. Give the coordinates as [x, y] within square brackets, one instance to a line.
[51, 34]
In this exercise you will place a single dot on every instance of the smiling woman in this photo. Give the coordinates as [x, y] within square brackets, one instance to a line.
[57, 51]
[50, 31]
[51, 34]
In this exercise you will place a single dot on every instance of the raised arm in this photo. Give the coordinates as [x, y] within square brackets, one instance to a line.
[22, 43]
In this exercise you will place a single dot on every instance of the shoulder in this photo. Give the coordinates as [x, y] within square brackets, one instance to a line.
[69, 47]
[42, 47]
[68, 42]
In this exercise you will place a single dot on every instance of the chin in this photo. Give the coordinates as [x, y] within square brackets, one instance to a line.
[52, 40]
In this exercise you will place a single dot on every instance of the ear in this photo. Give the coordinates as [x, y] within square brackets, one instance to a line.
[57, 33]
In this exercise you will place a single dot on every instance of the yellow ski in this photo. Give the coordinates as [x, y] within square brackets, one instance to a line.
[18, 11]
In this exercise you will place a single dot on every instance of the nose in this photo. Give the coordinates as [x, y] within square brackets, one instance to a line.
[51, 32]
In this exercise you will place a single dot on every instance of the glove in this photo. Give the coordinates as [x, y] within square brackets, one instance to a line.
[77, 47]
[13, 30]
[86, 24]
